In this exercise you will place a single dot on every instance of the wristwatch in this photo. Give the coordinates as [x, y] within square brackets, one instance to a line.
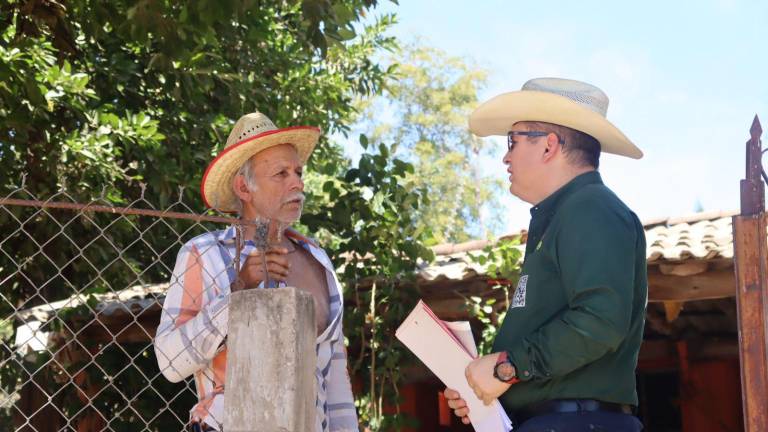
[504, 370]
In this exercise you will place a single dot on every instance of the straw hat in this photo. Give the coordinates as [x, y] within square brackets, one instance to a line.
[251, 134]
[565, 102]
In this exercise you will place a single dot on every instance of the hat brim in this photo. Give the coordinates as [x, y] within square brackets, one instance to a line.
[496, 117]
[216, 187]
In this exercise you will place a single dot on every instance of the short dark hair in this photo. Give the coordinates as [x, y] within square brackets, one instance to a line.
[580, 149]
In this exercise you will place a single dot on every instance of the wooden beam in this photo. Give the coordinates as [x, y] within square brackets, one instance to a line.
[712, 284]
[751, 262]
[687, 268]
[751, 258]
[451, 248]
[709, 285]
[678, 283]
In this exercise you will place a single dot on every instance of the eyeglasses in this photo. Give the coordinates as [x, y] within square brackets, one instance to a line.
[532, 134]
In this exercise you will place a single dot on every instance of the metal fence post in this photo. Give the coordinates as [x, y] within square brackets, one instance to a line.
[271, 361]
[751, 267]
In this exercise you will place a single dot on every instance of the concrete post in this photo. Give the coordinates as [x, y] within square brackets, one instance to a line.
[271, 361]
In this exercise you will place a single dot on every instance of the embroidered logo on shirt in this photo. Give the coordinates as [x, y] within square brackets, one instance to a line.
[518, 300]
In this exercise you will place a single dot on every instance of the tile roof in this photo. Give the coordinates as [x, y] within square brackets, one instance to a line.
[131, 301]
[701, 236]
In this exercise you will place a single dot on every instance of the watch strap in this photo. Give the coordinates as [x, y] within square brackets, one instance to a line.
[502, 359]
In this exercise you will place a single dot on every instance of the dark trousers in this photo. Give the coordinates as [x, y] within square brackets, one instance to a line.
[585, 421]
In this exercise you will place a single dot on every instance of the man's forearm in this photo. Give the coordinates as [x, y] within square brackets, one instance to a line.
[577, 337]
[184, 349]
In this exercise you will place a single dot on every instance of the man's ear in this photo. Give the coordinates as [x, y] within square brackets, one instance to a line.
[240, 187]
[552, 147]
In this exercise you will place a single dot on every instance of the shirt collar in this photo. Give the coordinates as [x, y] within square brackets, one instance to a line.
[551, 203]
[227, 236]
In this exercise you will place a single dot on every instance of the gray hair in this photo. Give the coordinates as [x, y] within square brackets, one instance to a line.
[246, 170]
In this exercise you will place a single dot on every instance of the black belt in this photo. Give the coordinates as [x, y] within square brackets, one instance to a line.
[569, 406]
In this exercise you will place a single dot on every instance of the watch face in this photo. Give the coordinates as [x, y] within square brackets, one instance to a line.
[505, 371]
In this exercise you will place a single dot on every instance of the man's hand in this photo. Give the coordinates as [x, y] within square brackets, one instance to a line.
[457, 404]
[252, 272]
[480, 377]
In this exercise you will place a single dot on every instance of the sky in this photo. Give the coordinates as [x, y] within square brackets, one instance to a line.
[685, 80]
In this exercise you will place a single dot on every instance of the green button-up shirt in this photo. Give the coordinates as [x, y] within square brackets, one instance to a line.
[575, 323]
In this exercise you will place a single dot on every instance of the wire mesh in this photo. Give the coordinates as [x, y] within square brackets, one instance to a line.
[81, 295]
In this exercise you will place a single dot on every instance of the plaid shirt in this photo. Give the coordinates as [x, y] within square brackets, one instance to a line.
[194, 325]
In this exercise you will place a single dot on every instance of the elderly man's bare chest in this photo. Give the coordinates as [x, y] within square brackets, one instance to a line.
[309, 275]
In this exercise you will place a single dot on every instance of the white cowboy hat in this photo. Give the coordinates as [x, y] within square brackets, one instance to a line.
[251, 134]
[564, 102]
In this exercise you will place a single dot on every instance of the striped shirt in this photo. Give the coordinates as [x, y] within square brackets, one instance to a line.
[193, 328]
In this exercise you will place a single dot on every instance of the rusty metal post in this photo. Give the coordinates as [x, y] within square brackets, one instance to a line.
[750, 242]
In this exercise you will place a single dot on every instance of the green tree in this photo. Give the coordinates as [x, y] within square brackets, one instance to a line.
[424, 109]
[110, 93]
[371, 212]
[502, 260]
[101, 99]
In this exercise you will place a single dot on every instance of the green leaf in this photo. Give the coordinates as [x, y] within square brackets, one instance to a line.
[346, 33]
[351, 175]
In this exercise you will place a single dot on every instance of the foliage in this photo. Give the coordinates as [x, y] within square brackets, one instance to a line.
[371, 212]
[502, 261]
[424, 110]
[108, 101]
[100, 96]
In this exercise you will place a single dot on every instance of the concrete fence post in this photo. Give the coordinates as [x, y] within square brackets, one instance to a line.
[271, 361]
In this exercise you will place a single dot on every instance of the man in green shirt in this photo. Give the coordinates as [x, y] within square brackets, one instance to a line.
[564, 358]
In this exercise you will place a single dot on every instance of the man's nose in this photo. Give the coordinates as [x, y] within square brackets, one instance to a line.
[297, 183]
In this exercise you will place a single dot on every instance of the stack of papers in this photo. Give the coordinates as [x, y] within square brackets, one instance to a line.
[447, 348]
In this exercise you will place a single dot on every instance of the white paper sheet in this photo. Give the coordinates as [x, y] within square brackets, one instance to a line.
[446, 348]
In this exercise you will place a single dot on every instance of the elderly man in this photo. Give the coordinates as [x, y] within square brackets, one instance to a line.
[564, 358]
[258, 175]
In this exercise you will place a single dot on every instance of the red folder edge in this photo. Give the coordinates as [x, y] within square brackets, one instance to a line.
[442, 325]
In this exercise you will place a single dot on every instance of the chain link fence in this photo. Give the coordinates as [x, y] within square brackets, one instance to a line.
[81, 294]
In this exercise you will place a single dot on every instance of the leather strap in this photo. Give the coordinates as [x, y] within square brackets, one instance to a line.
[569, 406]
